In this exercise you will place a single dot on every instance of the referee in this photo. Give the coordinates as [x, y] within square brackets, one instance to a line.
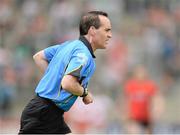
[67, 69]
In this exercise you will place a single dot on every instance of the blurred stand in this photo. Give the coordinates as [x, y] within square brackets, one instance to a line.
[90, 118]
[7, 92]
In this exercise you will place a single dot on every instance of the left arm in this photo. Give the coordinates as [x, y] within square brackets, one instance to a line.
[88, 99]
[72, 85]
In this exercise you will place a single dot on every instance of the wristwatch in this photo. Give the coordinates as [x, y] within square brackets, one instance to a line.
[85, 93]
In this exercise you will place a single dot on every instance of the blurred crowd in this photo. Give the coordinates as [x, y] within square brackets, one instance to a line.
[144, 32]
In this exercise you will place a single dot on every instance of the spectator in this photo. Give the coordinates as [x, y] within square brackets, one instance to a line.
[140, 93]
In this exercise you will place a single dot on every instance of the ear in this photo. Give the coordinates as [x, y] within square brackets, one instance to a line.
[92, 30]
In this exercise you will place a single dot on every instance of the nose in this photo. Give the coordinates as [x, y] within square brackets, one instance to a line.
[110, 34]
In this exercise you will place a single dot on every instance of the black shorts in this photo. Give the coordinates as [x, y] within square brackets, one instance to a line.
[42, 116]
[143, 123]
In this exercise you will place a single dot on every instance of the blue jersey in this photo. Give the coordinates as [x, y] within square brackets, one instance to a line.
[71, 57]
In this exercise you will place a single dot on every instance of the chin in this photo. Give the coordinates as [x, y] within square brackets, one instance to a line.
[104, 47]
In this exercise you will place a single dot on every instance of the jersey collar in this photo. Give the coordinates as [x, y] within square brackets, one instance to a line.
[87, 44]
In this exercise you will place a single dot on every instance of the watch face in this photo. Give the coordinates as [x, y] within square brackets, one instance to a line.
[85, 93]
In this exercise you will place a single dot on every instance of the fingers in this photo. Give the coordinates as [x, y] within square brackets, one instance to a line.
[87, 100]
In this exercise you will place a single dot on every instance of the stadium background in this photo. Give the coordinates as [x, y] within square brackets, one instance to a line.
[144, 31]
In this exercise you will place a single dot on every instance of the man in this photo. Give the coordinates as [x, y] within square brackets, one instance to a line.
[67, 69]
[140, 92]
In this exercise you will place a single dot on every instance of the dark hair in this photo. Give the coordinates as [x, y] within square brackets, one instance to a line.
[90, 19]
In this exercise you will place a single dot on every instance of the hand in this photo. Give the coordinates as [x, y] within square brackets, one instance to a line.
[88, 99]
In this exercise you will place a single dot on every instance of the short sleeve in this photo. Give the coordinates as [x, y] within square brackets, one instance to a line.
[50, 51]
[78, 65]
[154, 89]
[127, 87]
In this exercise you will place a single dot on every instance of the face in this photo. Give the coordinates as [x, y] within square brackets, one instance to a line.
[140, 73]
[102, 34]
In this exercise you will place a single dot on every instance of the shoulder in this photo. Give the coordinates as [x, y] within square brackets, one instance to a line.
[80, 49]
[77, 44]
[130, 82]
[150, 83]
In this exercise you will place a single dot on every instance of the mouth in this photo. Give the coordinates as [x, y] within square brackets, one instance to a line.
[107, 41]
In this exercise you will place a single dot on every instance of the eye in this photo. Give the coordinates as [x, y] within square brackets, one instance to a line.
[108, 29]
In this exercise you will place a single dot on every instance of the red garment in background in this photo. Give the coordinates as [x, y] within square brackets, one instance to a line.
[139, 95]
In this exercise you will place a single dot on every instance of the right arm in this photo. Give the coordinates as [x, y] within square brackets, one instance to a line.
[41, 61]
[43, 57]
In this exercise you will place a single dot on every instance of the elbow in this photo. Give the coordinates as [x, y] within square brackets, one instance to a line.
[34, 56]
[71, 84]
[38, 55]
[65, 83]
[68, 82]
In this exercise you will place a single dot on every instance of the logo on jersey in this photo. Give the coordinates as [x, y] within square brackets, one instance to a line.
[82, 58]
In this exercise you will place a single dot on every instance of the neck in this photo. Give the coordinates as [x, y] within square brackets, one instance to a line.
[89, 38]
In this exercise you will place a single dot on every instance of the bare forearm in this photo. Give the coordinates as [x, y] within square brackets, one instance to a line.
[71, 84]
[76, 89]
[40, 61]
[42, 65]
